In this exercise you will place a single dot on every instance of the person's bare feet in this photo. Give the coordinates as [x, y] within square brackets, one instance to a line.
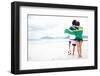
[80, 56]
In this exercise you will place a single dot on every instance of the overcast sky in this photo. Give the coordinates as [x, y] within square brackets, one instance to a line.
[53, 26]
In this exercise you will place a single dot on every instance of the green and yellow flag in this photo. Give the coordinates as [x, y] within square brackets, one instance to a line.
[78, 32]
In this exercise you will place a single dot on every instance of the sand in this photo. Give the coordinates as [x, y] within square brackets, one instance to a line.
[51, 51]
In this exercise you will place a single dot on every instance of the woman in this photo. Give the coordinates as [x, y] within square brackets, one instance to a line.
[79, 38]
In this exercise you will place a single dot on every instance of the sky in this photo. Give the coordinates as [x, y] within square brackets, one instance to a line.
[52, 26]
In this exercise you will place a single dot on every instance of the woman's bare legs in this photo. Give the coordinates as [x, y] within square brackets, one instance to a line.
[78, 48]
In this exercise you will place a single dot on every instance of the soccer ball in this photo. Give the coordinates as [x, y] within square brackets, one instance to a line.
[69, 52]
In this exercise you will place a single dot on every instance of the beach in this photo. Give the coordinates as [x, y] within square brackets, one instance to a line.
[53, 50]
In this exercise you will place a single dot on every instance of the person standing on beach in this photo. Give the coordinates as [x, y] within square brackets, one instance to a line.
[72, 37]
[79, 38]
[78, 32]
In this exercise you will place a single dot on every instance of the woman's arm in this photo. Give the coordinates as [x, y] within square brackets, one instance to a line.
[79, 29]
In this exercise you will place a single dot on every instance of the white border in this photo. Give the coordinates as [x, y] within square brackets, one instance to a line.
[24, 65]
